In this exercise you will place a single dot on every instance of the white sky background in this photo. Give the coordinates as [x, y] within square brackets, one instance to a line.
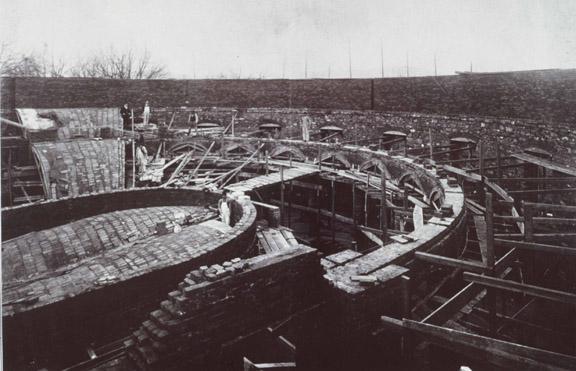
[272, 38]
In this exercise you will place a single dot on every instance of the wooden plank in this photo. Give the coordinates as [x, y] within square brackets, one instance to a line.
[480, 225]
[551, 207]
[450, 262]
[498, 352]
[471, 177]
[537, 291]
[560, 250]
[544, 163]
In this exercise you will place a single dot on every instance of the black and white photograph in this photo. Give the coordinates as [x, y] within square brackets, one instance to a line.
[276, 185]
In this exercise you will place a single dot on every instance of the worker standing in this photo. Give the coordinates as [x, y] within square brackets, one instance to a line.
[126, 116]
[146, 113]
[141, 156]
[305, 129]
[224, 209]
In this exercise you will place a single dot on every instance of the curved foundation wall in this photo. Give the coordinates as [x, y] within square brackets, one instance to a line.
[60, 330]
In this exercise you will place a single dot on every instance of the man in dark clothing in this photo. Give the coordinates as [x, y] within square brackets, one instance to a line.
[126, 116]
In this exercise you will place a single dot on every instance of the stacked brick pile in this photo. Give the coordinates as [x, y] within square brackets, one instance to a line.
[221, 302]
[80, 167]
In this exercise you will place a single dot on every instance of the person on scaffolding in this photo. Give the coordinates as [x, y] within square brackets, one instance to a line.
[126, 115]
[141, 155]
[146, 113]
[305, 128]
[224, 208]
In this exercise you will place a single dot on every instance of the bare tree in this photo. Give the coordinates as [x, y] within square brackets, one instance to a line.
[28, 64]
[115, 65]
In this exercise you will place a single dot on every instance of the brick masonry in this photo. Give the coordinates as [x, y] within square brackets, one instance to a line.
[545, 95]
[216, 304]
[72, 168]
[53, 317]
[43, 253]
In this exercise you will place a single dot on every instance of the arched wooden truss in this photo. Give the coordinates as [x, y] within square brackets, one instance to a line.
[286, 151]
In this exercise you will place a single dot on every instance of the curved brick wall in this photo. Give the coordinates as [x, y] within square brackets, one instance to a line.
[46, 317]
[45, 251]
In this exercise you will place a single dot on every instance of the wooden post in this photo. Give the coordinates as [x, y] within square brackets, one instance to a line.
[406, 314]
[290, 205]
[529, 237]
[366, 200]
[10, 196]
[490, 258]
[498, 160]
[318, 208]
[319, 158]
[490, 263]
[481, 157]
[354, 202]
[431, 144]
[281, 194]
[383, 209]
[332, 224]
[266, 156]
[405, 147]
[133, 152]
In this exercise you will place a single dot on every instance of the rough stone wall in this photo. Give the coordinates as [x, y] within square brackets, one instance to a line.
[544, 95]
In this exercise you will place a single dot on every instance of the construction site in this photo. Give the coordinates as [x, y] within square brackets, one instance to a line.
[424, 223]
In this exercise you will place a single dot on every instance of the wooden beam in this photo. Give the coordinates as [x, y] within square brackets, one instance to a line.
[550, 207]
[560, 250]
[545, 163]
[451, 262]
[537, 291]
[497, 352]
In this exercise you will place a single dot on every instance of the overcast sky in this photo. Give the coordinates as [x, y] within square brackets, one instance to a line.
[274, 38]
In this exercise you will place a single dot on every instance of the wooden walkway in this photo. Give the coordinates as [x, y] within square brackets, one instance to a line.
[270, 179]
[273, 240]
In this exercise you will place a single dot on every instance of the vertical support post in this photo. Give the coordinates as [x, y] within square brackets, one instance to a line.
[405, 147]
[383, 209]
[431, 144]
[529, 237]
[133, 152]
[290, 205]
[266, 156]
[406, 313]
[10, 182]
[281, 194]
[366, 200]
[490, 263]
[319, 158]
[354, 202]
[490, 258]
[498, 160]
[318, 207]
[333, 208]
[481, 157]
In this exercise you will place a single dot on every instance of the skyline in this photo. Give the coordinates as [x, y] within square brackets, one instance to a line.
[292, 39]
